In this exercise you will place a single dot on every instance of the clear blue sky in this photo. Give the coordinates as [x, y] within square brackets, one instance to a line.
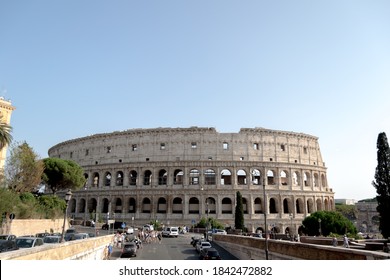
[75, 68]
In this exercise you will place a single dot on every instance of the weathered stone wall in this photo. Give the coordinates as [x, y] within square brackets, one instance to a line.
[251, 248]
[32, 226]
[84, 249]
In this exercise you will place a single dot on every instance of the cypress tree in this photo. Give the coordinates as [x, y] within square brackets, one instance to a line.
[382, 184]
[239, 215]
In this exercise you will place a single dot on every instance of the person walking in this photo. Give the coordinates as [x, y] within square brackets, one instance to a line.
[346, 242]
[109, 251]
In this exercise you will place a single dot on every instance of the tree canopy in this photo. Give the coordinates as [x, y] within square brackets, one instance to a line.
[328, 222]
[382, 184]
[24, 169]
[5, 134]
[60, 174]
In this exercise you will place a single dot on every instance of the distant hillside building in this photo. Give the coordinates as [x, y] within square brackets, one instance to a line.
[6, 109]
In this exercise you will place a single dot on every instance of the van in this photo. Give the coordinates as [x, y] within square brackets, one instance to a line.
[170, 232]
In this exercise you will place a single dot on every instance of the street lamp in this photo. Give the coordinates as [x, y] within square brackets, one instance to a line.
[265, 221]
[291, 227]
[207, 215]
[68, 196]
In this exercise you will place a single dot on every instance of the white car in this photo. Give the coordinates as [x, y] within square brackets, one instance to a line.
[219, 231]
[170, 232]
[202, 244]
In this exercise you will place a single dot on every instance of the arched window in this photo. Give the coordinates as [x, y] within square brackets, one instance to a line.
[226, 177]
[162, 177]
[194, 177]
[162, 205]
[227, 207]
[107, 179]
[133, 178]
[241, 177]
[193, 205]
[272, 206]
[119, 178]
[147, 177]
[209, 177]
[270, 177]
[256, 177]
[146, 205]
[177, 206]
[283, 178]
[132, 205]
[258, 206]
[178, 176]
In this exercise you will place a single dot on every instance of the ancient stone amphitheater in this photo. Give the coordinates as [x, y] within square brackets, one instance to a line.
[179, 175]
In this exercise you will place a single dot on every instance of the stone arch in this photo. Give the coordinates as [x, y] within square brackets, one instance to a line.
[306, 179]
[273, 206]
[299, 206]
[177, 205]
[241, 177]
[119, 178]
[193, 205]
[287, 206]
[118, 205]
[81, 205]
[256, 177]
[147, 177]
[284, 178]
[227, 206]
[96, 179]
[132, 205]
[209, 177]
[162, 205]
[210, 205]
[105, 205]
[319, 204]
[296, 178]
[133, 177]
[226, 177]
[162, 177]
[310, 206]
[146, 205]
[258, 204]
[270, 177]
[178, 177]
[92, 204]
[107, 179]
[194, 177]
[245, 205]
[316, 180]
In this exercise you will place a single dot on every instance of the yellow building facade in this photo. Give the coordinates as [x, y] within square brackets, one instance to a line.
[6, 110]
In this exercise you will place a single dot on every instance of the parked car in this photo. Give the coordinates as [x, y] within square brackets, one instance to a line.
[29, 242]
[202, 244]
[71, 230]
[42, 234]
[195, 239]
[209, 254]
[219, 231]
[7, 245]
[170, 232]
[80, 236]
[52, 239]
[7, 237]
[129, 249]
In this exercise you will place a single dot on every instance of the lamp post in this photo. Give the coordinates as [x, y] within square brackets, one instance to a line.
[291, 227]
[68, 196]
[207, 215]
[265, 221]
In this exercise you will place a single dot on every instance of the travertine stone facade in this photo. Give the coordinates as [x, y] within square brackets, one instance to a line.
[179, 175]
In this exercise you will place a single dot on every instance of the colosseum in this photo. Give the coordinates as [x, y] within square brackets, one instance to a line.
[179, 175]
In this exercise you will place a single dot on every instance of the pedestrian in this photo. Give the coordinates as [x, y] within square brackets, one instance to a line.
[334, 242]
[109, 250]
[159, 237]
[345, 241]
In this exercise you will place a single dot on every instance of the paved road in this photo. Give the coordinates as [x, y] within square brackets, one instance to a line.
[171, 249]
